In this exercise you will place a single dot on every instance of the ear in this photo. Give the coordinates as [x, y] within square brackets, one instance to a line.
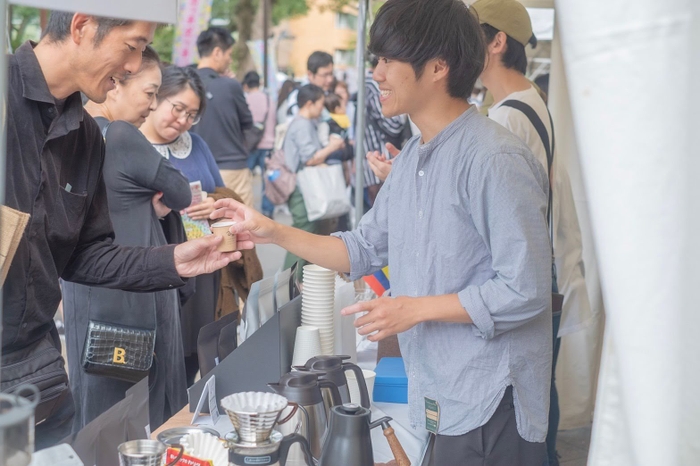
[498, 44]
[438, 68]
[82, 28]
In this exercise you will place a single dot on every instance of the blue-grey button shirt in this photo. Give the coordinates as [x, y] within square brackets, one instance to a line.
[465, 213]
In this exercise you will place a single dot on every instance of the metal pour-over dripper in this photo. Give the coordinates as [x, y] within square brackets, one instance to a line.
[254, 414]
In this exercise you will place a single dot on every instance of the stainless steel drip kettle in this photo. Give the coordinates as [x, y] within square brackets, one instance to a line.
[304, 389]
[348, 436]
[333, 368]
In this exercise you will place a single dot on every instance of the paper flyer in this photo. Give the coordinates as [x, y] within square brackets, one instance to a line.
[195, 228]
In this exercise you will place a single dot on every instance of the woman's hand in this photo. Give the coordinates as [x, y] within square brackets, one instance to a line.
[160, 209]
[336, 143]
[251, 227]
[201, 211]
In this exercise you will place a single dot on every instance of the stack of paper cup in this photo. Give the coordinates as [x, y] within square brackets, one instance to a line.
[318, 303]
[306, 345]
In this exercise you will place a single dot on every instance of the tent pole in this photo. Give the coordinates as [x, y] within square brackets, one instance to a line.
[3, 109]
[360, 110]
[266, 32]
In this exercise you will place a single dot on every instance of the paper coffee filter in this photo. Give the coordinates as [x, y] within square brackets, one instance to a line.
[254, 402]
[206, 447]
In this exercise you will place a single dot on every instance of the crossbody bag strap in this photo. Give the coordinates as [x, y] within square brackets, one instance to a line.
[536, 121]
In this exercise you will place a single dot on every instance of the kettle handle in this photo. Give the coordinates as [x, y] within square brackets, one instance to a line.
[291, 439]
[179, 455]
[360, 377]
[335, 393]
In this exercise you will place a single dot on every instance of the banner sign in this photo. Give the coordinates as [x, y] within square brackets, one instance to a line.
[194, 16]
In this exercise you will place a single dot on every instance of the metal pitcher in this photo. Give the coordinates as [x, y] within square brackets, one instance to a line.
[17, 426]
[333, 368]
[146, 453]
[305, 389]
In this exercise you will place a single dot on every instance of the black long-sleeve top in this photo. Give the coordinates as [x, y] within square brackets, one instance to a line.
[55, 155]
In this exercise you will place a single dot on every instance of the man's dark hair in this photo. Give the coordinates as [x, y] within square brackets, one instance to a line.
[318, 60]
[309, 93]
[212, 38]
[149, 59]
[251, 79]
[176, 79]
[514, 57]
[416, 31]
[332, 102]
[372, 59]
[58, 26]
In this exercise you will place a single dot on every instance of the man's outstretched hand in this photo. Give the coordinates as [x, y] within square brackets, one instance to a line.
[199, 256]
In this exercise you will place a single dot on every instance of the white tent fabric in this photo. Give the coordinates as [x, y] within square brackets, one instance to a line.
[578, 364]
[640, 167]
[160, 11]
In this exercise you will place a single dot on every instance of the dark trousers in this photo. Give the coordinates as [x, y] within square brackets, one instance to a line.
[257, 158]
[496, 443]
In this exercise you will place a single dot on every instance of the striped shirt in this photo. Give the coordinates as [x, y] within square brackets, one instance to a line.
[377, 127]
[465, 214]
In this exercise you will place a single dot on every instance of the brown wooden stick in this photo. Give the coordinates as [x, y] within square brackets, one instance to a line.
[396, 448]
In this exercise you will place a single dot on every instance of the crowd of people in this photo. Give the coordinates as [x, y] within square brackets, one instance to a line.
[470, 213]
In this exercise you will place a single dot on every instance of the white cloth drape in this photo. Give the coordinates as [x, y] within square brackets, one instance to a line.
[632, 68]
[577, 368]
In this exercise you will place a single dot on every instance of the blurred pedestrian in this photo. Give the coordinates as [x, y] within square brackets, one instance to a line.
[227, 114]
[262, 107]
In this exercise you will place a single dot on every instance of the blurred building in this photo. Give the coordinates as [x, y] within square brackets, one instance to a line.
[321, 29]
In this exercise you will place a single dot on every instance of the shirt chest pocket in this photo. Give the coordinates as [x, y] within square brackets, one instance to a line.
[68, 217]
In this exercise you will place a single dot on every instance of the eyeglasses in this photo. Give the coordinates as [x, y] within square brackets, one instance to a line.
[179, 111]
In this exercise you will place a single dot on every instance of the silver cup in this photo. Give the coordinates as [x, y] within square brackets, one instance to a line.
[145, 453]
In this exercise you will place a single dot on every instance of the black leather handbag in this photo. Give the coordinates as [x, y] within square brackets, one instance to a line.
[121, 334]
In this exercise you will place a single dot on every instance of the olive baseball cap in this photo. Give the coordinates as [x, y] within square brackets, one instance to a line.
[509, 16]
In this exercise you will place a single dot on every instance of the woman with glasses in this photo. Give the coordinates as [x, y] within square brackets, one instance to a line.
[181, 102]
[141, 187]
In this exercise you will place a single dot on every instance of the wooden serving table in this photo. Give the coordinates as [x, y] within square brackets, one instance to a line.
[181, 419]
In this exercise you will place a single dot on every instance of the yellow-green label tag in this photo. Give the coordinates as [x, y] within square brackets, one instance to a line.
[432, 415]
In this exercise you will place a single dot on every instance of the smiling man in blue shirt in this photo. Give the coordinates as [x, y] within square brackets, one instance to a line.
[461, 222]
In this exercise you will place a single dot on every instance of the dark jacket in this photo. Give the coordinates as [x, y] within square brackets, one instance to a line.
[54, 173]
[224, 120]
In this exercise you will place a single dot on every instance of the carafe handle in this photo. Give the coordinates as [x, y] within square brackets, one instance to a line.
[335, 393]
[179, 455]
[291, 439]
[360, 377]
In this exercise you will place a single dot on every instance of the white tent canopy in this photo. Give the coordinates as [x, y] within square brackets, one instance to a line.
[159, 11]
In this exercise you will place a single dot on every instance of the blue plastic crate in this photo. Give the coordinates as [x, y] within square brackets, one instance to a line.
[391, 383]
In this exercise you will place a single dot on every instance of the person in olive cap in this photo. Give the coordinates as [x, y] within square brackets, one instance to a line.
[520, 107]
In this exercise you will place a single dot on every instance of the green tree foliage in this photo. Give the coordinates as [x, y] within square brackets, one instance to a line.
[163, 41]
[24, 25]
